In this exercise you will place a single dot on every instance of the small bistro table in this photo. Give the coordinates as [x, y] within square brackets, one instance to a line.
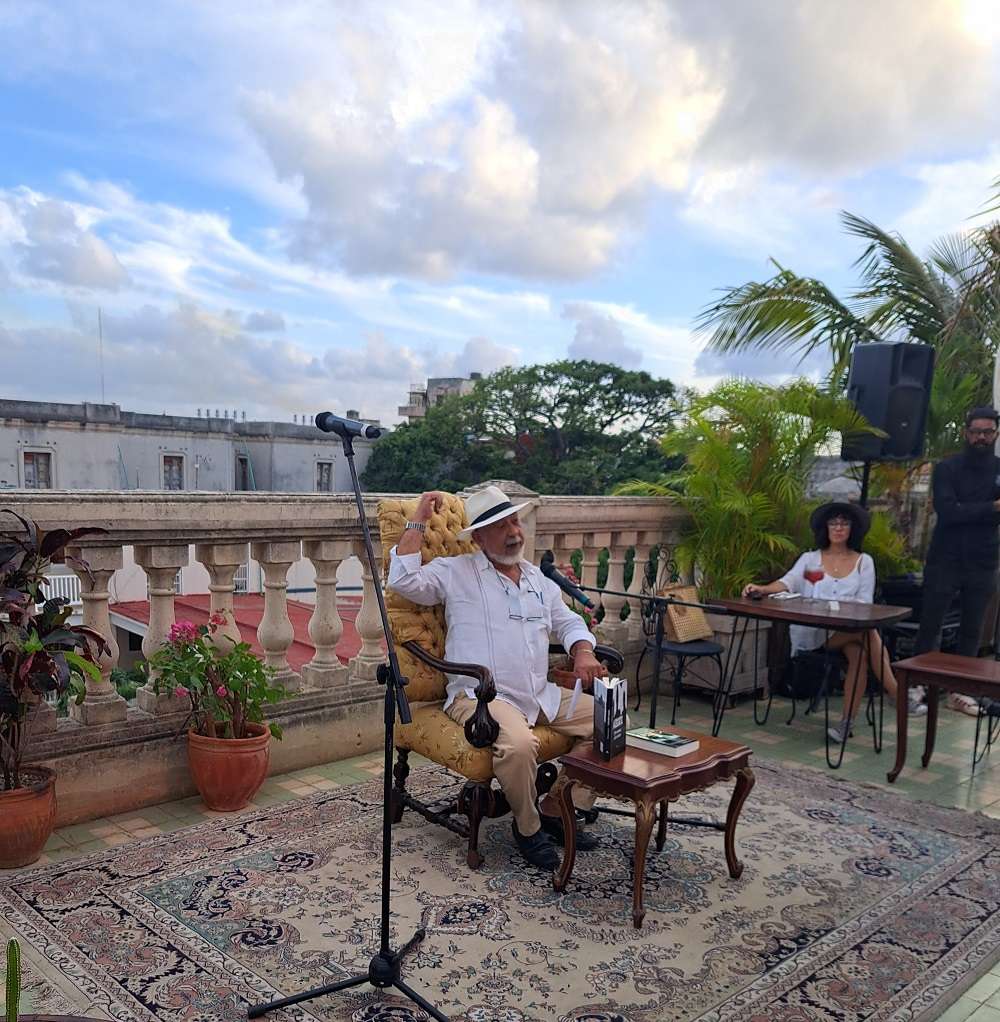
[971, 676]
[651, 781]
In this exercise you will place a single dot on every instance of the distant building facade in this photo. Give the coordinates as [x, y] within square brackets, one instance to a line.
[44, 445]
[436, 389]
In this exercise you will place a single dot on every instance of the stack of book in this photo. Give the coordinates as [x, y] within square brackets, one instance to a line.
[667, 743]
[610, 700]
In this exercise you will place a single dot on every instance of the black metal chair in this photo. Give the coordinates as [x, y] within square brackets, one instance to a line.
[682, 653]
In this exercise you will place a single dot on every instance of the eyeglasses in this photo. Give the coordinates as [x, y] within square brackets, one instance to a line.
[520, 606]
[982, 432]
[842, 523]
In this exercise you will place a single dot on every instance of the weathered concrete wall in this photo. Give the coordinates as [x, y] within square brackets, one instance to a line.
[101, 447]
[120, 768]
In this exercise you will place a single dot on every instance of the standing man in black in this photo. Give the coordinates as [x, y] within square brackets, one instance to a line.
[962, 558]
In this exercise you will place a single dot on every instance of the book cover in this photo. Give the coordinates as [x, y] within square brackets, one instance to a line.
[656, 740]
[610, 701]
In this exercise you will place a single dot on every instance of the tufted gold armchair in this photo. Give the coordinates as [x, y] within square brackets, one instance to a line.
[419, 636]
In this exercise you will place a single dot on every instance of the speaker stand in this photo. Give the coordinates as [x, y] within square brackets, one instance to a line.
[865, 475]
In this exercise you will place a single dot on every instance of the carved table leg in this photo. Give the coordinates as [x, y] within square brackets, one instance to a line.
[661, 826]
[566, 810]
[902, 699]
[745, 781]
[645, 814]
[933, 699]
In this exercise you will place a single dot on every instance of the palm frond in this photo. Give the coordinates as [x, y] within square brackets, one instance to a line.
[787, 312]
[892, 273]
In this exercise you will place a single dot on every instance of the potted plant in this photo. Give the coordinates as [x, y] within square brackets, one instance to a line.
[228, 687]
[40, 654]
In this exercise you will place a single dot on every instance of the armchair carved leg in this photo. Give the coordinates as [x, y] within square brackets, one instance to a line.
[473, 801]
[399, 774]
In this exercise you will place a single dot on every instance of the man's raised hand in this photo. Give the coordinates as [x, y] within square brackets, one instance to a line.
[431, 501]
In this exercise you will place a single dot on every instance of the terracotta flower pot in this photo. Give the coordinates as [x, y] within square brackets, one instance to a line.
[27, 816]
[228, 772]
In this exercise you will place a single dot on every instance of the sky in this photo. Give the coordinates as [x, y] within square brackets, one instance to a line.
[286, 206]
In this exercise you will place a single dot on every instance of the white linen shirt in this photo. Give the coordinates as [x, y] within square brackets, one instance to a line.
[493, 622]
[856, 587]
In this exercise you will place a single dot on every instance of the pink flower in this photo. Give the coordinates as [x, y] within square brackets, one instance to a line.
[221, 692]
[183, 631]
[216, 621]
[180, 691]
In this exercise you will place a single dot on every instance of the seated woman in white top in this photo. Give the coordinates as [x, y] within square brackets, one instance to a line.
[838, 570]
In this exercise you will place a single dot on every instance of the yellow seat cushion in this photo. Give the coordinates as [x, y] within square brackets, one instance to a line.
[435, 735]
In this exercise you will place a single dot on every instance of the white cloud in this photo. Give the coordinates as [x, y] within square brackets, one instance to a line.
[952, 194]
[754, 213]
[599, 337]
[264, 322]
[477, 355]
[841, 86]
[50, 241]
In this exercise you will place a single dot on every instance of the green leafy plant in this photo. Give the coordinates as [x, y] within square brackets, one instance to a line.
[887, 548]
[747, 450]
[13, 980]
[41, 653]
[227, 685]
[128, 681]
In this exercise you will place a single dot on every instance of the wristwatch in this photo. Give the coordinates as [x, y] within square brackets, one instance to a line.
[419, 526]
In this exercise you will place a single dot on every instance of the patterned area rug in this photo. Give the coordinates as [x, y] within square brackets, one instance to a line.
[854, 904]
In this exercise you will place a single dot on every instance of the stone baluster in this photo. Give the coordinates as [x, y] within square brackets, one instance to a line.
[275, 632]
[613, 629]
[325, 627]
[161, 564]
[368, 623]
[593, 543]
[221, 561]
[101, 704]
[635, 588]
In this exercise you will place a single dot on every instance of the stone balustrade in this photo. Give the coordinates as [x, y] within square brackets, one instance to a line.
[334, 710]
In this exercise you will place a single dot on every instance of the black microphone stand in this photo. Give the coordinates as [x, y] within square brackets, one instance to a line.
[384, 968]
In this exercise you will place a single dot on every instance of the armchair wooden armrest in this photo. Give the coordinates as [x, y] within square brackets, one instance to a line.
[608, 655]
[481, 729]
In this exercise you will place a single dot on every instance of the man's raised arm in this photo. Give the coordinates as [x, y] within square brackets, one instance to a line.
[421, 583]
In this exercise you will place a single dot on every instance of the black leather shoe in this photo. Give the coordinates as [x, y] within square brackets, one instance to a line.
[537, 849]
[585, 842]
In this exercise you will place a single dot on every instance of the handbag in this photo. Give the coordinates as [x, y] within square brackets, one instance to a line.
[684, 624]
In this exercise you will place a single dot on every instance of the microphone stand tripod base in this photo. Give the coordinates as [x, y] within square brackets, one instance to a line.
[383, 972]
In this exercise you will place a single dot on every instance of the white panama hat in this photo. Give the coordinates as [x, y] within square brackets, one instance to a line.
[485, 507]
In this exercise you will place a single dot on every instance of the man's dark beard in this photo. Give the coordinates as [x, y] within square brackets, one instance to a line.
[978, 451]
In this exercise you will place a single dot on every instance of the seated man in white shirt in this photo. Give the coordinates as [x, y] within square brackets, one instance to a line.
[500, 611]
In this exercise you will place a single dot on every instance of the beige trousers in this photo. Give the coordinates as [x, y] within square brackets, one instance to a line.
[515, 751]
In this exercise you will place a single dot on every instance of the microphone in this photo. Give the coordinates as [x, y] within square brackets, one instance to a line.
[330, 423]
[549, 570]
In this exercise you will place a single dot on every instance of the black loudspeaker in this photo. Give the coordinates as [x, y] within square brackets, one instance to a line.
[890, 385]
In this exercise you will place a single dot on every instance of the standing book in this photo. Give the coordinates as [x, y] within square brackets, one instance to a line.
[666, 743]
[610, 701]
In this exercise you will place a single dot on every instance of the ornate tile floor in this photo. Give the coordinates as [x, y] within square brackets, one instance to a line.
[948, 781]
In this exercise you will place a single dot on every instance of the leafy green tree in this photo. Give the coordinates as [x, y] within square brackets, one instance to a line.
[574, 427]
[747, 449]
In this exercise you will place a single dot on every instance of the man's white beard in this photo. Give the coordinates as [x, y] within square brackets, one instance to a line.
[509, 559]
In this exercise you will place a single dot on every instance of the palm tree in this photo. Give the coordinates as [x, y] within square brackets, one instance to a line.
[950, 300]
[747, 449]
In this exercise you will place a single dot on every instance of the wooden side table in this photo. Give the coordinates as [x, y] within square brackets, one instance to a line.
[949, 672]
[651, 781]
